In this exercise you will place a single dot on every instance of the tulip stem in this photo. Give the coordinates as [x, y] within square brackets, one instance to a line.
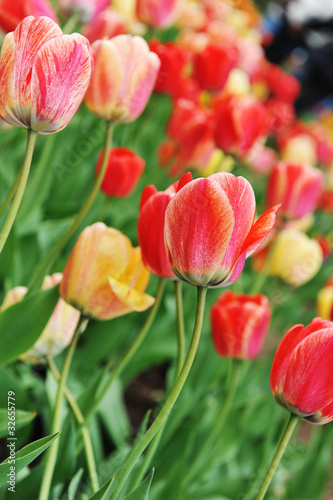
[293, 420]
[24, 174]
[53, 450]
[181, 329]
[180, 361]
[213, 436]
[10, 193]
[50, 257]
[88, 448]
[169, 403]
[133, 348]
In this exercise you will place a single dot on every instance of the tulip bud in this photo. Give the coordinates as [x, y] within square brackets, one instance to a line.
[294, 257]
[212, 66]
[325, 301]
[159, 14]
[123, 172]
[44, 75]
[173, 59]
[151, 223]
[302, 377]
[13, 12]
[239, 324]
[123, 78]
[297, 187]
[104, 276]
[59, 330]
[107, 24]
[210, 229]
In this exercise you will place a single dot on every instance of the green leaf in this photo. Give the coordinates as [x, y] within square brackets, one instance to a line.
[22, 418]
[74, 484]
[104, 491]
[141, 492]
[22, 323]
[25, 456]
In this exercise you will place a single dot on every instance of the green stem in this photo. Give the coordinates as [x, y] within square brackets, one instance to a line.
[181, 329]
[88, 448]
[262, 275]
[180, 361]
[169, 403]
[278, 455]
[52, 254]
[133, 348]
[211, 440]
[24, 174]
[71, 24]
[53, 450]
[10, 193]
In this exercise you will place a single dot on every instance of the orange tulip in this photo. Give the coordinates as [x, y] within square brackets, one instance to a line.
[104, 276]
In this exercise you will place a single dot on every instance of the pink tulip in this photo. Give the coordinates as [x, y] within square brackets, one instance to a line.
[123, 78]
[160, 14]
[210, 229]
[44, 75]
[297, 187]
[12, 12]
[107, 24]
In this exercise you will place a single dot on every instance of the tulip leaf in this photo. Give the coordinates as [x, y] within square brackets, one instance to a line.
[104, 491]
[25, 456]
[74, 484]
[142, 491]
[22, 323]
[22, 418]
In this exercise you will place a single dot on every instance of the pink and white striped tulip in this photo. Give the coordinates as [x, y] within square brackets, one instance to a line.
[160, 14]
[123, 78]
[44, 75]
[210, 229]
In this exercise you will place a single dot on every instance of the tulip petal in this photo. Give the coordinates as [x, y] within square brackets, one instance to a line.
[260, 231]
[60, 77]
[199, 223]
[129, 298]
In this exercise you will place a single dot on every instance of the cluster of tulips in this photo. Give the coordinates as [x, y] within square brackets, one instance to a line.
[229, 108]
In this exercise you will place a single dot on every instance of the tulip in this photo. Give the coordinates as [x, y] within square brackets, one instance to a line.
[173, 59]
[86, 10]
[159, 14]
[107, 24]
[294, 257]
[239, 324]
[302, 377]
[240, 122]
[297, 187]
[123, 78]
[325, 301]
[300, 149]
[212, 66]
[44, 75]
[59, 330]
[13, 12]
[283, 85]
[151, 222]
[210, 229]
[123, 172]
[104, 276]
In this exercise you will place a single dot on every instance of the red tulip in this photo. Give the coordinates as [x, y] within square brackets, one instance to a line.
[302, 372]
[44, 75]
[210, 229]
[213, 65]
[151, 223]
[173, 59]
[160, 14]
[239, 324]
[13, 12]
[239, 123]
[283, 85]
[297, 187]
[123, 172]
[107, 24]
